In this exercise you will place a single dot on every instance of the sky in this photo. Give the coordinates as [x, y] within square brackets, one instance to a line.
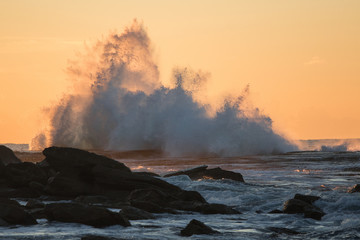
[301, 58]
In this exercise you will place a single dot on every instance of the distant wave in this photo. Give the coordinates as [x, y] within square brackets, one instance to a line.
[119, 103]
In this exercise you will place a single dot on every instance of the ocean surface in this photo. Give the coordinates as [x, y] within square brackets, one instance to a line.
[270, 180]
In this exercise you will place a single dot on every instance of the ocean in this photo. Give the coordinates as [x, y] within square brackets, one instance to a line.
[327, 171]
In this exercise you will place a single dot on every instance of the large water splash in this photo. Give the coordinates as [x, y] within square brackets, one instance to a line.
[119, 103]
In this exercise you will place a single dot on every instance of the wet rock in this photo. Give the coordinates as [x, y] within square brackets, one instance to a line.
[72, 160]
[151, 174]
[196, 227]
[306, 198]
[152, 207]
[92, 199]
[355, 188]
[9, 202]
[294, 206]
[21, 174]
[18, 193]
[276, 211]
[13, 215]
[280, 230]
[202, 172]
[33, 203]
[133, 213]
[7, 156]
[89, 215]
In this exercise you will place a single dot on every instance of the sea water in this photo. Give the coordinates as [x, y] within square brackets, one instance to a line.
[270, 180]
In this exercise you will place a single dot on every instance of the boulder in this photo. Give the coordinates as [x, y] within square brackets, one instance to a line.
[65, 185]
[294, 206]
[14, 215]
[21, 174]
[196, 227]
[72, 160]
[202, 172]
[355, 188]
[306, 198]
[88, 215]
[7, 156]
[133, 213]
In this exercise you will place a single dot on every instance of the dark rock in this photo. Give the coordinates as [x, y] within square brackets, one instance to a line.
[37, 187]
[276, 211]
[202, 172]
[151, 174]
[92, 199]
[78, 161]
[89, 215]
[15, 215]
[151, 207]
[283, 231]
[33, 203]
[192, 196]
[3, 223]
[133, 213]
[7, 156]
[293, 206]
[9, 202]
[18, 193]
[355, 188]
[215, 208]
[21, 174]
[65, 185]
[306, 198]
[196, 227]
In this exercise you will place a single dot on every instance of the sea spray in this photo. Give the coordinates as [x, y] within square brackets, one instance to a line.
[119, 103]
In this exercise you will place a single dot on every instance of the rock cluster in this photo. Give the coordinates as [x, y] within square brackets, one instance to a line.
[303, 204]
[88, 179]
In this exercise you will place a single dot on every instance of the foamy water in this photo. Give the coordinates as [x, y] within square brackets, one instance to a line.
[270, 181]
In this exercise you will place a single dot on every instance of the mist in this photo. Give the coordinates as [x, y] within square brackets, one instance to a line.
[118, 102]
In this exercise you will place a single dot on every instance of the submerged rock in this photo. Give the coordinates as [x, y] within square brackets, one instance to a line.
[89, 215]
[355, 188]
[296, 205]
[7, 156]
[202, 172]
[196, 227]
[133, 213]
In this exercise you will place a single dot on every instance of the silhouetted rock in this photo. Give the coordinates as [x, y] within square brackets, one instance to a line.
[133, 213]
[21, 174]
[89, 215]
[151, 174]
[72, 160]
[202, 172]
[355, 188]
[196, 227]
[7, 156]
[13, 215]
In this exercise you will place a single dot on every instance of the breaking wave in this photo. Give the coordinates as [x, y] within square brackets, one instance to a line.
[119, 103]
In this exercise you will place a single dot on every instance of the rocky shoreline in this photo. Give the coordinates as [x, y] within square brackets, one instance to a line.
[92, 184]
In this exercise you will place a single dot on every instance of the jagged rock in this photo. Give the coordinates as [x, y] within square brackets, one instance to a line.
[133, 213]
[202, 172]
[355, 188]
[13, 215]
[196, 227]
[89, 215]
[7, 156]
[293, 206]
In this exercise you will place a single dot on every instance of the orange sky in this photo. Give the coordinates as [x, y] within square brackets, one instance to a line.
[300, 58]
